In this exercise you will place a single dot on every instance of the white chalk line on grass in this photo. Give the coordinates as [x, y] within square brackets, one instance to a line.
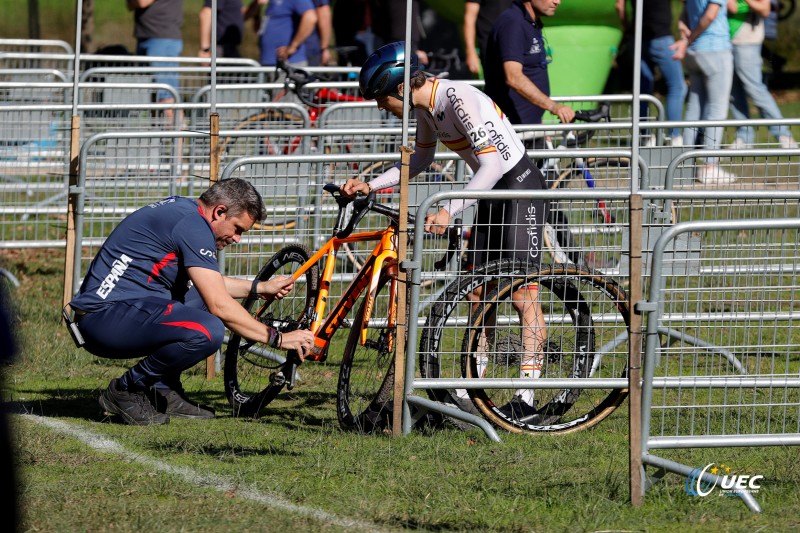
[220, 483]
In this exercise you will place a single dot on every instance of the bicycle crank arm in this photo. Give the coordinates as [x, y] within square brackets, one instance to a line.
[290, 369]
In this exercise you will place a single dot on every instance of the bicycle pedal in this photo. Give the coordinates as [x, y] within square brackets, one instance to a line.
[277, 379]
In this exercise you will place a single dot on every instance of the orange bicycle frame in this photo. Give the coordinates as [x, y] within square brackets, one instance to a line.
[383, 256]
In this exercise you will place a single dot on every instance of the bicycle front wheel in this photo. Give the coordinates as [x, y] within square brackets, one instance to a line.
[366, 378]
[583, 333]
[250, 366]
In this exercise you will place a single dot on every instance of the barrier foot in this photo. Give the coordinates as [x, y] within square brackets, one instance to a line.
[454, 412]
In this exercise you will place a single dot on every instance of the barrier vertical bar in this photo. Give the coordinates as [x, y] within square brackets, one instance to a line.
[213, 166]
[213, 177]
[74, 160]
[402, 312]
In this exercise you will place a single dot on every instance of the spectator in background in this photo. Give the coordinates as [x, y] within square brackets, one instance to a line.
[319, 42]
[774, 61]
[284, 29]
[516, 64]
[657, 39]
[746, 19]
[389, 24]
[230, 28]
[352, 23]
[479, 15]
[705, 48]
[157, 28]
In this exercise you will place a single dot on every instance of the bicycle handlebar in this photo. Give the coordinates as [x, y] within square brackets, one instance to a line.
[297, 78]
[363, 204]
[453, 239]
[602, 113]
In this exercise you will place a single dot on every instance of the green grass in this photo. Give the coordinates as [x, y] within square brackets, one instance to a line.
[445, 480]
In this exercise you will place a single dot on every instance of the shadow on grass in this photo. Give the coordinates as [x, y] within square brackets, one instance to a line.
[291, 409]
[294, 409]
[80, 403]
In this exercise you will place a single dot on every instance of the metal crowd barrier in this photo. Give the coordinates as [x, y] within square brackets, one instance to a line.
[721, 354]
[35, 46]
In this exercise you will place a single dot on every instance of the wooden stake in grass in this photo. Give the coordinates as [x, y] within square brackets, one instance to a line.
[402, 311]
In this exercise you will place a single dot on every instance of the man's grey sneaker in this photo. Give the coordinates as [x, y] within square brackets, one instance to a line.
[173, 402]
[133, 407]
[521, 411]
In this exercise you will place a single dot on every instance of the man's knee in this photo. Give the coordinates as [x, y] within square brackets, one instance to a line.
[216, 330]
[204, 337]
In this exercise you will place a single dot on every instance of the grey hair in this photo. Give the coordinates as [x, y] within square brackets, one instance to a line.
[238, 196]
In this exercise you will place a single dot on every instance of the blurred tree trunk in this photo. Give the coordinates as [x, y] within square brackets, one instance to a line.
[34, 32]
[87, 27]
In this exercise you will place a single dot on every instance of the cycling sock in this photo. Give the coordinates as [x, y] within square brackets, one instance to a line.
[534, 371]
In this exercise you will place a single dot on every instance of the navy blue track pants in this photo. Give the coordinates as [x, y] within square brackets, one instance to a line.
[170, 336]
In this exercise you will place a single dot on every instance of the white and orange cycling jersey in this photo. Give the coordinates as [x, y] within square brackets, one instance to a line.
[468, 122]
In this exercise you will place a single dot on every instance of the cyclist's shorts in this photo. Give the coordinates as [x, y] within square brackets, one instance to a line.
[510, 228]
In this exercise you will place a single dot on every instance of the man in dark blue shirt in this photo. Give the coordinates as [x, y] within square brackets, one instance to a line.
[155, 290]
[516, 64]
[230, 28]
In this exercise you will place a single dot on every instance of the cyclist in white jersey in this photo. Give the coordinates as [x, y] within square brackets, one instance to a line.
[468, 122]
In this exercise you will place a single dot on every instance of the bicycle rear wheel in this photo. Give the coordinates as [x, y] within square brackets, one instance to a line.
[365, 390]
[586, 317]
[444, 329]
[250, 367]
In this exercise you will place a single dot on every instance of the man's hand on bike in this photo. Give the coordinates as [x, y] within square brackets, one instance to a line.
[275, 288]
[353, 186]
[438, 222]
[564, 113]
[300, 340]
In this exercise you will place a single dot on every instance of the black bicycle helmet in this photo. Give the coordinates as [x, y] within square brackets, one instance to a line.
[383, 70]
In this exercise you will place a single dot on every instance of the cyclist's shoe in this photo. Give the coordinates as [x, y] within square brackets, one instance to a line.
[173, 402]
[133, 407]
[519, 410]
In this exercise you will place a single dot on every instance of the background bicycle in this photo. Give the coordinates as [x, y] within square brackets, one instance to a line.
[568, 234]
[309, 91]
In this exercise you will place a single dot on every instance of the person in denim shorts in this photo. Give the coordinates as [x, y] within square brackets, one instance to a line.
[157, 28]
